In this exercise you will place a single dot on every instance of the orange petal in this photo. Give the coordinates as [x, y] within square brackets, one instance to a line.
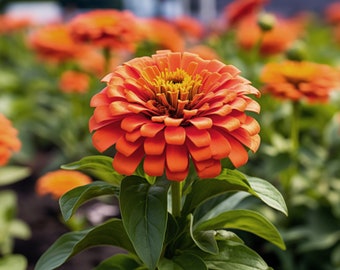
[154, 145]
[133, 136]
[174, 61]
[154, 165]
[119, 108]
[99, 99]
[127, 165]
[211, 171]
[199, 153]
[220, 147]
[201, 122]
[132, 122]
[169, 121]
[251, 125]
[227, 122]
[151, 129]
[238, 155]
[107, 136]
[199, 137]
[177, 159]
[174, 135]
[127, 148]
[102, 113]
[176, 176]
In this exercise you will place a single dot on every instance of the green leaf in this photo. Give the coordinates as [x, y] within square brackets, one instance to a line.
[245, 220]
[268, 194]
[144, 215]
[111, 233]
[12, 174]
[227, 181]
[13, 261]
[119, 262]
[74, 198]
[234, 255]
[99, 167]
[182, 262]
[205, 240]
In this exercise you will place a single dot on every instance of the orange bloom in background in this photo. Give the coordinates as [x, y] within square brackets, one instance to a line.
[74, 82]
[9, 24]
[170, 108]
[106, 28]
[54, 42]
[299, 80]
[189, 27]
[332, 13]
[58, 182]
[275, 41]
[238, 10]
[162, 33]
[9, 141]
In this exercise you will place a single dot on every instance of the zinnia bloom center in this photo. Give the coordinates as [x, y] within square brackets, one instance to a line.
[176, 91]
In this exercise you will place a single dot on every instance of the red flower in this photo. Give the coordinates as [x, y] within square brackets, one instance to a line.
[106, 28]
[299, 80]
[58, 182]
[171, 108]
[9, 141]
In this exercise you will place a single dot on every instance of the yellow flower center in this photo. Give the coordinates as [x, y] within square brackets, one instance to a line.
[176, 91]
[296, 73]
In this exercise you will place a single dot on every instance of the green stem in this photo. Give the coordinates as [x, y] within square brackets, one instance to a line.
[294, 133]
[176, 198]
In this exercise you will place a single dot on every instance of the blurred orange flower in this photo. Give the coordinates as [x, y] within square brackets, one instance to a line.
[54, 42]
[9, 24]
[74, 82]
[189, 27]
[299, 80]
[205, 52]
[9, 141]
[171, 108]
[162, 33]
[275, 41]
[238, 10]
[106, 28]
[58, 182]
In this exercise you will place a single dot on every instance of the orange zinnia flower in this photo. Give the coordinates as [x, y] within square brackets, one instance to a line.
[74, 82]
[275, 41]
[238, 10]
[163, 34]
[173, 107]
[106, 28]
[9, 141]
[204, 52]
[299, 80]
[54, 42]
[58, 182]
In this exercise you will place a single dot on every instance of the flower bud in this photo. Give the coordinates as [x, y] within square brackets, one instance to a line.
[297, 52]
[266, 21]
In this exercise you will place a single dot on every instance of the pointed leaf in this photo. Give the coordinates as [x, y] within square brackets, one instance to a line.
[227, 181]
[144, 214]
[99, 167]
[111, 233]
[205, 240]
[182, 262]
[268, 194]
[74, 198]
[245, 220]
[118, 262]
[234, 255]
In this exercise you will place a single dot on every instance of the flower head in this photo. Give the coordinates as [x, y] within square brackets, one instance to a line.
[299, 80]
[106, 28]
[9, 141]
[171, 108]
[189, 27]
[74, 82]
[238, 10]
[54, 42]
[59, 182]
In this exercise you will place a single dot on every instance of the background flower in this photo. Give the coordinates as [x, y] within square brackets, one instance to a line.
[74, 82]
[172, 106]
[59, 182]
[9, 141]
[299, 80]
